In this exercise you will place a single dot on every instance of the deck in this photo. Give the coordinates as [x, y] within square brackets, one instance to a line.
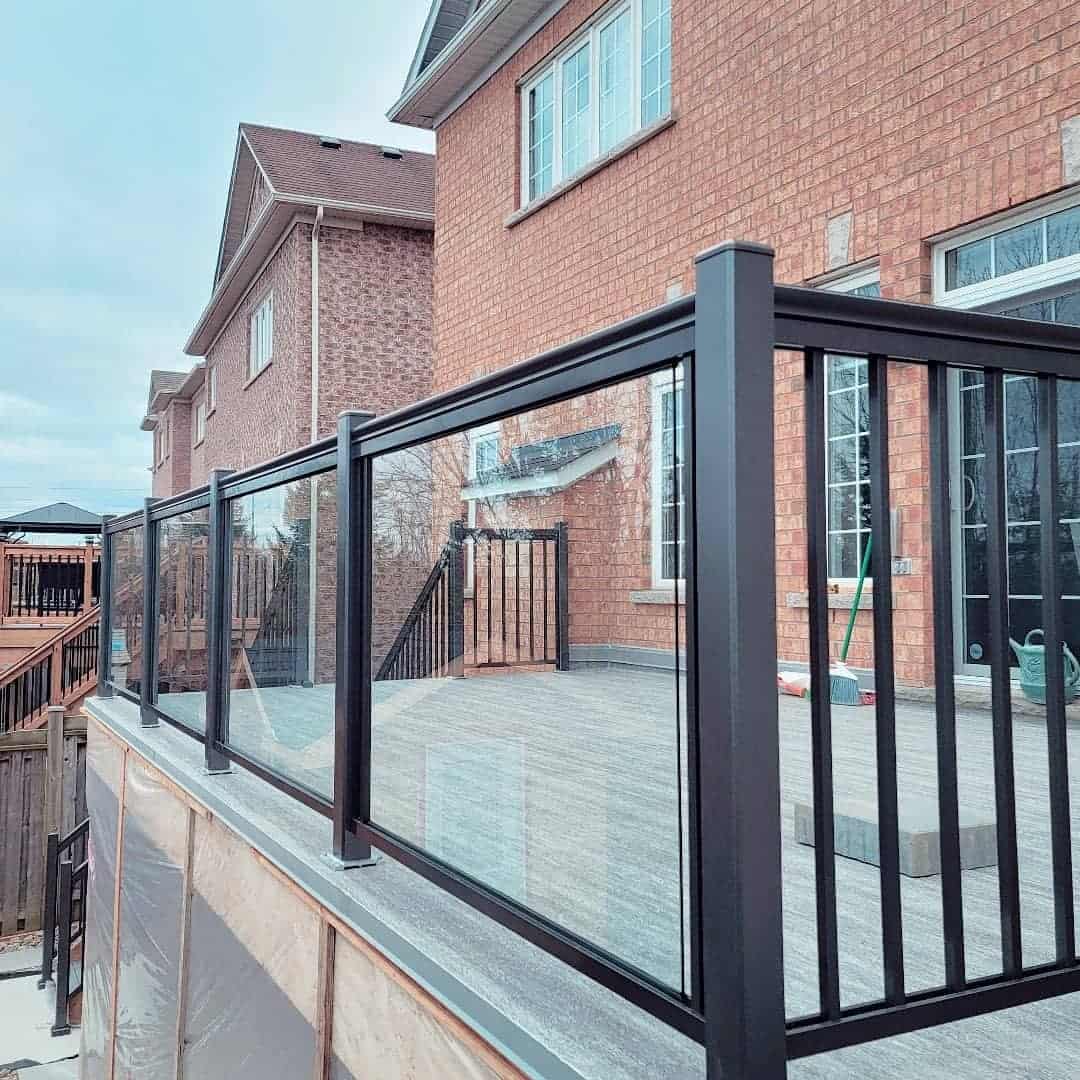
[562, 790]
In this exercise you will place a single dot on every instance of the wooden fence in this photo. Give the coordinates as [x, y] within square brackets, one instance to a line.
[42, 788]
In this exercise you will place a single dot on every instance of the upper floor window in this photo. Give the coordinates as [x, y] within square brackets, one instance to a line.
[211, 388]
[608, 82]
[1030, 251]
[199, 424]
[262, 336]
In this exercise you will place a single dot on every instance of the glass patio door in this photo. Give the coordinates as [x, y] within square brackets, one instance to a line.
[1022, 514]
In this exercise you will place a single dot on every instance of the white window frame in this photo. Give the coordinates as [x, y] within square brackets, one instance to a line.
[846, 282]
[198, 426]
[662, 382]
[260, 347]
[477, 436]
[1006, 290]
[553, 66]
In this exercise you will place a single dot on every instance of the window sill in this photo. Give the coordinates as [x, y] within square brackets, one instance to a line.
[838, 601]
[261, 371]
[616, 152]
[659, 594]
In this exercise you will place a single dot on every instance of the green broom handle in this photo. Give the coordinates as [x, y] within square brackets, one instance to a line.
[855, 602]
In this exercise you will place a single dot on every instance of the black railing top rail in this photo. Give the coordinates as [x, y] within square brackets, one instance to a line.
[124, 522]
[183, 503]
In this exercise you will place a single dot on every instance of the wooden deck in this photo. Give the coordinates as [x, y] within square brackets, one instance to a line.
[562, 790]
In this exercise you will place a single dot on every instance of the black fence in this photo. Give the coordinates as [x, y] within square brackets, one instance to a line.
[64, 918]
[722, 523]
[41, 584]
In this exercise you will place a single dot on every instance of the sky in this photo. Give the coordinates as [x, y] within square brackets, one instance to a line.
[117, 131]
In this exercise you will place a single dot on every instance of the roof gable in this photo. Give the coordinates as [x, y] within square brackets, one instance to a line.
[246, 177]
[56, 517]
[444, 20]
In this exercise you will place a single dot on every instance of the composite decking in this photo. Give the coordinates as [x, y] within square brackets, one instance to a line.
[562, 790]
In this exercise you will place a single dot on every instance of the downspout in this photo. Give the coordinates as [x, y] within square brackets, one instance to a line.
[313, 534]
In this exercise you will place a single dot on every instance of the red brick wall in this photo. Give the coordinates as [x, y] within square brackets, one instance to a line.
[916, 118]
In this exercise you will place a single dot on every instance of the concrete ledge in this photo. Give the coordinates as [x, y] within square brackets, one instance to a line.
[857, 836]
[545, 1018]
[635, 656]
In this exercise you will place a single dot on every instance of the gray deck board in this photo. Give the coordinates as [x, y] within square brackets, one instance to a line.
[562, 790]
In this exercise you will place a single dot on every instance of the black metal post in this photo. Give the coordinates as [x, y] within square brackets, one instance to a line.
[148, 683]
[218, 628]
[732, 662]
[104, 687]
[562, 599]
[48, 912]
[352, 701]
[61, 1025]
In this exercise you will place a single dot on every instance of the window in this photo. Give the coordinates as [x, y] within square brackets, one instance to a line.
[608, 82]
[1032, 250]
[211, 389]
[847, 445]
[262, 336]
[161, 434]
[669, 500]
[483, 455]
[199, 425]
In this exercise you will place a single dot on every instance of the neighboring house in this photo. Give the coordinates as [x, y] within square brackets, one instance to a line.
[321, 302]
[587, 151]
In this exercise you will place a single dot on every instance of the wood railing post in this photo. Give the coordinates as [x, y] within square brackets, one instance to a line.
[56, 672]
[54, 772]
[88, 577]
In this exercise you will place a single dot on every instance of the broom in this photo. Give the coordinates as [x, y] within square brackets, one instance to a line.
[843, 682]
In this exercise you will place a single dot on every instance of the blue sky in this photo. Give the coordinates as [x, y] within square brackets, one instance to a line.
[117, 130]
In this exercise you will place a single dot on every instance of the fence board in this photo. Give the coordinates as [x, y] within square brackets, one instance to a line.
[23, 783]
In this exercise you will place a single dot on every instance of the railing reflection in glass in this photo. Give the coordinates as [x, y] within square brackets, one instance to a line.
[182, 601]
[528, 695]
[126, 606]
[282, 603]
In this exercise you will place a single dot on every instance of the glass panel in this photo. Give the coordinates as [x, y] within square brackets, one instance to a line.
[841, 460]
[842, 372]
[576, 129]
[655, 59]
[1018, 248]
[541, 136]
[183, 590]
[1024, 565]
[126, 600]
[842, 505]
[1067, 309]
[967, 264]
[974, 491]
[560, 789]
[976, 581]
[1021, 414]
[1068, 410]
[1063, 233]
[1040, 311]
[843, 556]
[842, 413]
[1022, 486]
[974, 409]
[283, 596]
[616, 112]
[1069, 482]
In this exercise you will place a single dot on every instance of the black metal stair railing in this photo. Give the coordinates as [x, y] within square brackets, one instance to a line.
[64, 917]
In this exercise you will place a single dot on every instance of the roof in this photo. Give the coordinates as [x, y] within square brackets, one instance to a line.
[163, 382]
[294, 173]
[461, 46]
[549, 465]
[297, 163]
[58, 517]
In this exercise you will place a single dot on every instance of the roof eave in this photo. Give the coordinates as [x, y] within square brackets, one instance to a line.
[416, 105]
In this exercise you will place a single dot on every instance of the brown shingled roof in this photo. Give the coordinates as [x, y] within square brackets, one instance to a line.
[296, 163]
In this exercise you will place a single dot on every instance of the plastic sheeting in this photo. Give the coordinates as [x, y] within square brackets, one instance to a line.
[253, 948]
[104, 770]
[382, 1030]
[153, 851]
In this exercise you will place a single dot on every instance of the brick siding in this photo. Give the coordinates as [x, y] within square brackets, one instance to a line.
[913, 118]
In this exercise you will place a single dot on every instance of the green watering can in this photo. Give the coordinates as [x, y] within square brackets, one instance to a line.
[1033, 669]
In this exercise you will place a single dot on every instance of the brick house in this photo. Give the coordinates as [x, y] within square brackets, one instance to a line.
[321, 301]
[587, 151]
